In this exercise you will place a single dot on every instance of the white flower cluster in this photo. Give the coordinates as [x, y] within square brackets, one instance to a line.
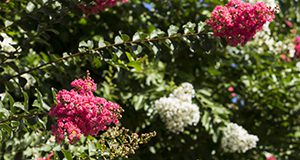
[184, 92]
[264, 42]
[177, 110]
[273, 45]
[237, 139]
[6, 43]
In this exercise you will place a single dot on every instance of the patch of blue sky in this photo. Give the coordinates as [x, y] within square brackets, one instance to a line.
[148, 6]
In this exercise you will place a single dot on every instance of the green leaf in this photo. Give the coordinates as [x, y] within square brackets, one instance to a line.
[170, 45]
[46, 148]
[42, 41]
[6, 128]
[20, 105]
[3, 111]
[201, 26]
[92, 149]
[53, 91]
[30, 7]
[118, 40]
[136, 36]
[101, 43]
[205, 92]
[130, 58]
[96, 62]
[14, 66]
[106, 90]
[125, 37]
[39, 101]
[156, 33]
[90, 44]
[137, 102]
[172, 30]
[67, 154]
[155, 49]
[11, 102]
[53, 31]
[189, 27]
[213, 71]
[205, 120]
[85, 45]
[26, 100]
[42, 122]
[136, 65]
[215, 137]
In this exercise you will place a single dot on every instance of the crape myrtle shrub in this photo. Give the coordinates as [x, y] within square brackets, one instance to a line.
[137, 53]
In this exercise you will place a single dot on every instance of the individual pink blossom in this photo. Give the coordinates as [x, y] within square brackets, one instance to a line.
[99, 6]
[46, 158]
[78, 112]
[233, 94]
[230, 89]
[270, 157]
[239, 21]
[297, 46]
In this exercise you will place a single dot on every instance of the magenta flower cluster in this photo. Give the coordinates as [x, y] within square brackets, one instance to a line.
[239, 21]
[100, 5]
[297, 46]
[79, 112]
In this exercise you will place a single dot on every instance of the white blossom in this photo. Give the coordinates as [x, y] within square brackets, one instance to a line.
[177, 111]
[237, 139]
[298, 66]
[6, 43]
[264, 42]
[184, 92]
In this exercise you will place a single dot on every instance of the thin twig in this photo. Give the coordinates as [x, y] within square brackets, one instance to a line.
[107, 46]
[19, 117]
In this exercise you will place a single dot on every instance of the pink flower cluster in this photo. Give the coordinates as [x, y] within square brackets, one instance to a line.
[297, 47]
[79, 112]
[239, 21]
[100, 5]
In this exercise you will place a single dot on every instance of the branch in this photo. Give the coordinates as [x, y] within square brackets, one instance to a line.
[107, 46]
[26, 116]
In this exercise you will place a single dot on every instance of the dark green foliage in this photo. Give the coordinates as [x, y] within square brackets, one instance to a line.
[137, 55]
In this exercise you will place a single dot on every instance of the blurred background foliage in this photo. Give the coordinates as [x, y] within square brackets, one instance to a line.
[150, 48]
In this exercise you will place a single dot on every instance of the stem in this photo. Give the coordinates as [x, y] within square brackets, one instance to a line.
[26, 116]
[107, 46]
